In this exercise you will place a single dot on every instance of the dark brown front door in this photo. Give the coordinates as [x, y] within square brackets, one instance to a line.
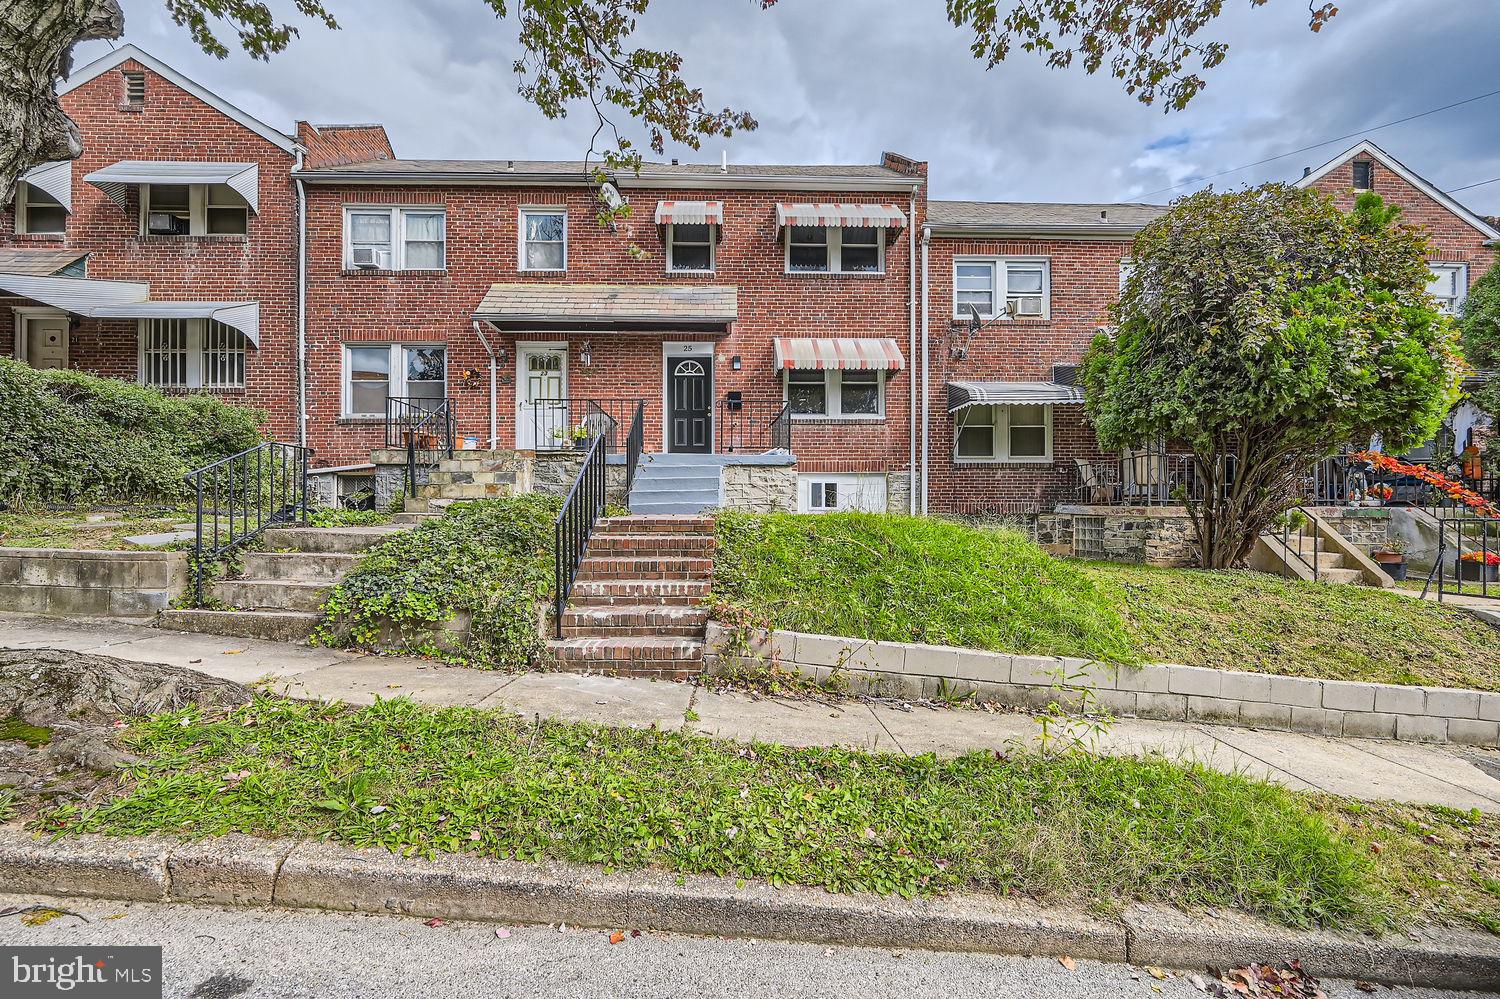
[688, 410]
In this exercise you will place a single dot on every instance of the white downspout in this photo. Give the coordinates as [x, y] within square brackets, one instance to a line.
[911, 352]
[926, 357]
[478, 329]
[301, 307]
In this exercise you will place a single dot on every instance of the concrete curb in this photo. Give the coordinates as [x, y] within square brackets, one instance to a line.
[243, 870]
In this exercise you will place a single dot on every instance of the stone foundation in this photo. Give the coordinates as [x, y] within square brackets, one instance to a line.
[1142, 534]
[759, 488]
[65, 582]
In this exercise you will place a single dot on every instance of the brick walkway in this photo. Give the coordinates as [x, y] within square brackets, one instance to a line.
[1359, 768]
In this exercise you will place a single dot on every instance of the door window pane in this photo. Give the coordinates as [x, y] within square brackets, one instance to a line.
[807, 391]
[859, 393]
[369, 379]
[860, 250]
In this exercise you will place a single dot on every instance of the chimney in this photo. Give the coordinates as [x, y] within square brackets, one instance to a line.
[1306, 171]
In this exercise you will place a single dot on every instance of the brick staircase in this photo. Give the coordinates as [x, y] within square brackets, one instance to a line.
[638, 604]
[279, 591]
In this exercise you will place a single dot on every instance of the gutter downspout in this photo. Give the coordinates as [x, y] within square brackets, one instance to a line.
[911, 351]
[479, 330]
[926, 357]
[301, 306]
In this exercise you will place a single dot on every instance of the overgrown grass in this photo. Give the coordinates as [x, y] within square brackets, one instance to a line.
[1258, 622]
[913, 579]
[1093, 831]
[488, 562]
[341, 517]
[72, 528]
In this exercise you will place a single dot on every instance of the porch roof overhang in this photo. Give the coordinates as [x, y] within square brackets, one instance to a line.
[962, 395]
[117, 179]
[690, 213]
[840, 214]
[127, 300]
[610, 307]
[822, 353]
[37, 263]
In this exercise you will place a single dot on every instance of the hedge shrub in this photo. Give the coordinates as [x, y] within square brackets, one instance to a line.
[490, 559]
[70, 437]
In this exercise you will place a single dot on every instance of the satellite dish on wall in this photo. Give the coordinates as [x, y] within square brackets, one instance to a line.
[610, 195]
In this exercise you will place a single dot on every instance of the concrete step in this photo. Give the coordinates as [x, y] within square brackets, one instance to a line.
[307, 566]
[410, 518]
[271, 594]
[623, 592]
[596, 567]
[428, 504]
[634, 619]
[1341, 576]
[675, 658]
[654, 544]
[326, 539]
[270, 626]
[655, 525]
[649, 507]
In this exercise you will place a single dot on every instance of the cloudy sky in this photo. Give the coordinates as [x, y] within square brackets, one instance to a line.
[842, 80]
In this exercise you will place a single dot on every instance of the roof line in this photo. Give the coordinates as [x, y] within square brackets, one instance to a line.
[1407, 174]
[129, 51]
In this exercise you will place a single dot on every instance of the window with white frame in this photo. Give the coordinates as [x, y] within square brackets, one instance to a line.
[817, 249]
[193, 210]
[825, 492]
[997, 287]
[1363, 175]
[396, 239]
[191, 353]
[544, 239]
[39, 212]
[845, 394]
[1004, 433]
[690, 247]
[1449, 284]
[374, 373]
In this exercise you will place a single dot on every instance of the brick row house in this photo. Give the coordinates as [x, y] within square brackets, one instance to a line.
[923, 352]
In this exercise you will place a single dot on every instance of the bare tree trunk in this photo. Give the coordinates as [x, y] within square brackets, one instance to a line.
[36, 50]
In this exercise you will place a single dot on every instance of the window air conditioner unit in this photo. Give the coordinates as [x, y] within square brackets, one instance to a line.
[369, 258]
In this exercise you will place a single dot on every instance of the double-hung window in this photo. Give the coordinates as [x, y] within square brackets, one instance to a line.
[544, 239]
[1019, 287]
[817, 249]
[191, 353]
[1004, 433]
[374, 373]
[39, 212]
[690, 247]
[838, 394]
[1449, 284]
[193, 210]
[396, 239]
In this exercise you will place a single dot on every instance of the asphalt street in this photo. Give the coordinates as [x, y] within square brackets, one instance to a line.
[214, 953]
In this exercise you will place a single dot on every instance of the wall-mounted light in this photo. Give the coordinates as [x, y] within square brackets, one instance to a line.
[735, 362]
[586, 354]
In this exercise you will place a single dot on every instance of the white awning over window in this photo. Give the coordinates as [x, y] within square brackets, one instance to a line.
[962, 395]
[117, 180]
[821, 353]
[854, 216]
[689, 213]
[54, 178]
[128, 300]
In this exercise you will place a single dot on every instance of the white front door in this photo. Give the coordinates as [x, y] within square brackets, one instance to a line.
[47, 341]
[541, 396]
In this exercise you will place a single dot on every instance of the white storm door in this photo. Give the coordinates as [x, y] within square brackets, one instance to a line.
[541, 396]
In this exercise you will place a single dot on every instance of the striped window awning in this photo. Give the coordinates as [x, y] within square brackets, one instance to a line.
[854, 216]
[690, 213]
[819, 353]
[56, 179]
[127, 300]
[117, 180]
[962, 395]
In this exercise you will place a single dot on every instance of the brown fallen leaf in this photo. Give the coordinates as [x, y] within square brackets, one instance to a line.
[634, 934]
[1068, 962]
[1365, 986]
[616, 937]
[1155, 972]
[231, 652]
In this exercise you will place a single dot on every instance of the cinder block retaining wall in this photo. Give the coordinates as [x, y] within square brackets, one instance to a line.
[68, 583]
[1175, 693]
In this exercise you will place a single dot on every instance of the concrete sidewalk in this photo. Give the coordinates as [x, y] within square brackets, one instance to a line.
[1366, 769]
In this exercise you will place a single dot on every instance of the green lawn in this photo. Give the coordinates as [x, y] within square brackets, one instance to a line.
[926, 580]
[1092, 831]
[73, 528]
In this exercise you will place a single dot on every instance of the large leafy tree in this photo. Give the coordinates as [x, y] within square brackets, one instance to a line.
[581, 51]
[1265, 330]
[1481, 338]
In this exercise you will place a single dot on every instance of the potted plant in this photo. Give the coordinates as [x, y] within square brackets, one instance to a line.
[1391, 557]
[1479, 567]
[580, 435]
[1380, 495]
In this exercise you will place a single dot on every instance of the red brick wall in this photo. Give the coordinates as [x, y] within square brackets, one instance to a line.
[174, 125]
[483, 240]
[1453, 239]
[1085, 280]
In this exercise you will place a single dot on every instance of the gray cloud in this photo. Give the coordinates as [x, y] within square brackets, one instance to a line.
[840, 80]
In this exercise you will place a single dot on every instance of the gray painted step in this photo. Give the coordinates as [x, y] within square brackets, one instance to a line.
[672, 507]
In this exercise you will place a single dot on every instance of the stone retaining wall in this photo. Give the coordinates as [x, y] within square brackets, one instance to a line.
[759, 488]
[1154, 535]
[65, 582]
[1175, 693]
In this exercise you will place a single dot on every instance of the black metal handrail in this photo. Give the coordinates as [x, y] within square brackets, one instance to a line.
[424, 427]
[1145, 478]
[1310, 525]
[575, 523]
[565, 424]
[242, 495]
[635, 443]
[1470, 535]
[754, 425]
